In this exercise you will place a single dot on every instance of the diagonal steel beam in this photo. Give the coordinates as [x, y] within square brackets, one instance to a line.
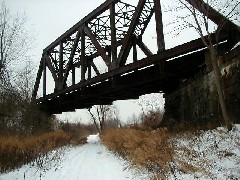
[100, 50]
[70, 61]
[95, 68]
[54, 61]
[144, 48]
[127, 43]
[38, 79]
[52, 70]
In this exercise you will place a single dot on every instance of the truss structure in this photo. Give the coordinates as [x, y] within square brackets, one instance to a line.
[107, 34]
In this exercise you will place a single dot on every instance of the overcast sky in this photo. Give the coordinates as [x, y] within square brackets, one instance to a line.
[48, 19]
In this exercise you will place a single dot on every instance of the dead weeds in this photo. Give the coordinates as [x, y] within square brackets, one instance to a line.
[150, 149]
[16, 151]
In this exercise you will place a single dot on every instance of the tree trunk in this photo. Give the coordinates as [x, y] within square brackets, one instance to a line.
[94, 121]
[220, 91]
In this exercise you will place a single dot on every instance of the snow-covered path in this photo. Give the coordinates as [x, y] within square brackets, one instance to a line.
[91, 161]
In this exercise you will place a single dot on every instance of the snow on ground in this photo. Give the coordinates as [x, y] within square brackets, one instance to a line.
[93, 139]
[91, 161]
[215, 154]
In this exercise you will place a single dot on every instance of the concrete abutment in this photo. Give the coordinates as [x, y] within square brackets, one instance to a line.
[195, 100]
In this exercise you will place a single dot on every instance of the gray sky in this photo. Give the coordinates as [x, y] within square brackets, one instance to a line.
[48, 19]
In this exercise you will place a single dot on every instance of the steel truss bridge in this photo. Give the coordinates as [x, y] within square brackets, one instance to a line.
[109, 34]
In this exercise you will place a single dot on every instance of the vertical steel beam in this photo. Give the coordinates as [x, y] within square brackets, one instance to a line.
[135, 58]
[60, 75]
[159, 26]
[135, 50]
[73, 75]
[83, 57]
[113, 36]
[44, 77]
[89, 68]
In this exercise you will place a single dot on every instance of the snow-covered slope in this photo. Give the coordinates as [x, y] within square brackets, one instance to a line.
[212, 154]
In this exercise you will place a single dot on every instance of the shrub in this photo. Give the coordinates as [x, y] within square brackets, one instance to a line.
[78, 132]
[15, 151]
[149, 149]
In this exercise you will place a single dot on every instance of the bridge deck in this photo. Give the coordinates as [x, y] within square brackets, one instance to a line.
[150, 75]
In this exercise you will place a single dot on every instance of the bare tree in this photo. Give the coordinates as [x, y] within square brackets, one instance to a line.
[24, 81]
[100, 114]
[201, 22]
[14, 41]
[152, 109]
[151, 102]
[16, 75]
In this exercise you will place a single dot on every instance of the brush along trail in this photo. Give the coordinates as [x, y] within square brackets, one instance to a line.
[91, 161]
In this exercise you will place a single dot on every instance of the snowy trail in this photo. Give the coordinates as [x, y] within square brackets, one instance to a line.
[91, 161]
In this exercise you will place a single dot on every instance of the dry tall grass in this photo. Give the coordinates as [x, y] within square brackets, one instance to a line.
[150, 149]
[158, 150]
[15, 151]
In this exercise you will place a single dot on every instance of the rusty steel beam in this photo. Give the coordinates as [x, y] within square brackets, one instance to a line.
[154, 59]
[60, 72]
[95, 55]
[130, 85]
[125, 49]
[52, 70]
[135, 58]
[70, 61]
[38, 79]
[44, 77]
[89, 71]
[102, 8]
[113, 35]
[53, 60]
[144, 48]
[68, 44]
[95, 68]
[159, 25]
[100, 50]
[83, 56]
[73, 75]
[147, 22]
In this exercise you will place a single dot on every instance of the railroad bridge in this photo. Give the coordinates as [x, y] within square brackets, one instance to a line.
[112, 34]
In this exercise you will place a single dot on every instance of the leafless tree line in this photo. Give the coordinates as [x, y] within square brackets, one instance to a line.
[17, 114]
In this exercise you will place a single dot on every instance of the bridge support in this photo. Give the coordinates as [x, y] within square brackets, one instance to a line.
[195, 100]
